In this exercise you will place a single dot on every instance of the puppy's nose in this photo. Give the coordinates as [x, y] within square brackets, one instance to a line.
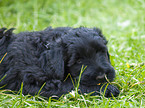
[100, 76]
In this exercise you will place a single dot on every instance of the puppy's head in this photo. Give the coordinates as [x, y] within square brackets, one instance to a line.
[88, 47]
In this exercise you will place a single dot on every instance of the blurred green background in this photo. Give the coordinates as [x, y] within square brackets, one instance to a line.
[122, 22]
[37, 14]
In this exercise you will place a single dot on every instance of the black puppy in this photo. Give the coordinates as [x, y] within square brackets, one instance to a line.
[49, 56]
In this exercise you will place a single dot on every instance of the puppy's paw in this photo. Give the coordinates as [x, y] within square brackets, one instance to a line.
[110, 91]
[53, 84]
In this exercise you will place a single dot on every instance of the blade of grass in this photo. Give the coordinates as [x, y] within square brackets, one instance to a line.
[3, 58]
[41, 88]
[82, 70]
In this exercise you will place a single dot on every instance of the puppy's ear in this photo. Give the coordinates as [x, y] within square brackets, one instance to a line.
[52, 61]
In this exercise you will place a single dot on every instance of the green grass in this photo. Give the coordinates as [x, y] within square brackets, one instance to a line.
[122, 22]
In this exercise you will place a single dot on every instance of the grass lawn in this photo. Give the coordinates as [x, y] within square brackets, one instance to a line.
[123, 24]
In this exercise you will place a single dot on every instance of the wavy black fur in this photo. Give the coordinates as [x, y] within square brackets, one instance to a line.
[48, 56]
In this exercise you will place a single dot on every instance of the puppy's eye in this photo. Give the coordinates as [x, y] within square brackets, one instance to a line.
[79, 61]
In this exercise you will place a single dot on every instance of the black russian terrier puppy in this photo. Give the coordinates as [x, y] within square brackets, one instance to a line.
[49, 56]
